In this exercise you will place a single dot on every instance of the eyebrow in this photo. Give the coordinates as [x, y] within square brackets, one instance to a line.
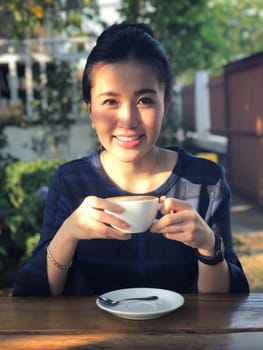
[138, 92]
[146, 91]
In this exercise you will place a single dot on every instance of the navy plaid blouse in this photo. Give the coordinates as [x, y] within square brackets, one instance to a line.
[146, 260]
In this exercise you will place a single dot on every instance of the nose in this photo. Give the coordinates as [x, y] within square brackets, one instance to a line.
[128, 116]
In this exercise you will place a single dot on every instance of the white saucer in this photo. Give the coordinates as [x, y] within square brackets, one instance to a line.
[142, 310]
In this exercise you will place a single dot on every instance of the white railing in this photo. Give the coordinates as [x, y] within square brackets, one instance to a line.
[42, 51]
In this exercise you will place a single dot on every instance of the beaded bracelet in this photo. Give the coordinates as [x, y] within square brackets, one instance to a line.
[57, 264]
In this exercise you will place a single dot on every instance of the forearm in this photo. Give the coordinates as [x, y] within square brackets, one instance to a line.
[213, 279]
[61, 249]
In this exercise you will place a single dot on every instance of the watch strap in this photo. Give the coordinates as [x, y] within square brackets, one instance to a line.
[218, 253]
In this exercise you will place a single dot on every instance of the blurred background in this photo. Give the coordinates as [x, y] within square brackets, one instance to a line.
[216, 51]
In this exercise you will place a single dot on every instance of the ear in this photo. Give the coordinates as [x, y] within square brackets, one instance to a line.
[88, 105]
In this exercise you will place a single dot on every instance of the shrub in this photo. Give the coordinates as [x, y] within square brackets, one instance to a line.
[23, 186]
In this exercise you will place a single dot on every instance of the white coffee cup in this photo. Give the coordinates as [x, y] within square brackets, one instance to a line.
[139, 211]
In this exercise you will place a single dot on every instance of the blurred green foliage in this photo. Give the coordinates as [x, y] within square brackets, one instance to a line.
[23, 186]
[23, 19]
[53, 104]
[201, 34]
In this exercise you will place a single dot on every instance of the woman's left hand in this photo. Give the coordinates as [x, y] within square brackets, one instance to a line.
[181, 222]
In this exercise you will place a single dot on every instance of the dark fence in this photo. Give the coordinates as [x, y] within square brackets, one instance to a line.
[236, 111]
[244, 115]
[217, 106]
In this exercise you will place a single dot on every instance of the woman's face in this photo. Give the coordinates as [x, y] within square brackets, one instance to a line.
[127, 108]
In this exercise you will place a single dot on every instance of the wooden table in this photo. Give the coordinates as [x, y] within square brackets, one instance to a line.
[228, 322]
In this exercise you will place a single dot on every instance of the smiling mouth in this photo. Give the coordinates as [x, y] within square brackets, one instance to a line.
[128, 138]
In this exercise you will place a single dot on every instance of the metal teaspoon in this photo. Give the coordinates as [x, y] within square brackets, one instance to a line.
[111, 302]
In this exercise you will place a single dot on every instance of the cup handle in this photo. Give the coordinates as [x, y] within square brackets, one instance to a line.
[159, 207]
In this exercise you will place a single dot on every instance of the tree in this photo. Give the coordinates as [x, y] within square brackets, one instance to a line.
[178, 25]
[21, 19]
[201, 34]
[241, 25]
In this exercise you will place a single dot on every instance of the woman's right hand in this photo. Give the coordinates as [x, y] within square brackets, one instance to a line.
[90, 220]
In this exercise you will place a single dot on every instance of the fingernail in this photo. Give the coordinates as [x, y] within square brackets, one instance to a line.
[125, 225]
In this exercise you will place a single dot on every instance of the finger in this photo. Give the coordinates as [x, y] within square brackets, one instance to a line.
[103, 211]
[113, 220]
[174, 237]
[98, 229]
[103, 216]
[173, 204]
[102, 204]
[174, 232]
[116, 234]
[168, 220]
[173, 229]
[183, 222]
[113, 207]
[103, 231]
[95, 222]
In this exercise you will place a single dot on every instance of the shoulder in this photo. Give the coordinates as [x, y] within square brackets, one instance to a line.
[198, 170]
[77, 178]
[80, 165]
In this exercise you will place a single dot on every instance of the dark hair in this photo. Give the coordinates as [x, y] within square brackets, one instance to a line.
[125, 41]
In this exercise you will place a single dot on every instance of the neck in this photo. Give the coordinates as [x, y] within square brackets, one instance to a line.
[142, 176]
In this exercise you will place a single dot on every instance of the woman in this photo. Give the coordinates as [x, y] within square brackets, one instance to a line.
[127, 89]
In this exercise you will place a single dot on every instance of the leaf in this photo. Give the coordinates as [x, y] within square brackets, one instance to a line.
[3, 251]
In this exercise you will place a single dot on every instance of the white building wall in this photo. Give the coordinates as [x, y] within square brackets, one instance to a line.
[81, 139]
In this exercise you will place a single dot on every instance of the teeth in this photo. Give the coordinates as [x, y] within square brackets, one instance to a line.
[127, 138]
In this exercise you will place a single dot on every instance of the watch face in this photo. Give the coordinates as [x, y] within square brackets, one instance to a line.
[219, 247]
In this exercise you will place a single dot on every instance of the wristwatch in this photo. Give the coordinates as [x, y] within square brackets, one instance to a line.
[219, 254]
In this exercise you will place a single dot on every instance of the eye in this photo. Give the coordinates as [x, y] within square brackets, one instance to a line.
[145, 101]
[110, 102]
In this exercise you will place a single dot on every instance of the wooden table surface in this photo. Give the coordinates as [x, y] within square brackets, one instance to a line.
[222, 322]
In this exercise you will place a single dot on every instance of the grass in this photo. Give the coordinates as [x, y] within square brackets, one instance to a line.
[249, 248]
[253, 267]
